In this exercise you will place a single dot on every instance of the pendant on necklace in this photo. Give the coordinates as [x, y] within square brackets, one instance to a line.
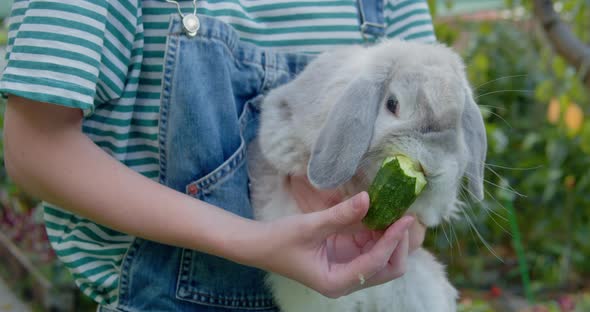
[191, 24]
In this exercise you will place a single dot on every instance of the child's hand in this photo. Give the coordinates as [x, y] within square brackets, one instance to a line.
[310, 199]
[331, 252]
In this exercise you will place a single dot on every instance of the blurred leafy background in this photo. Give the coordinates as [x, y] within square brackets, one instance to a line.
[537, 172]
[526, 247]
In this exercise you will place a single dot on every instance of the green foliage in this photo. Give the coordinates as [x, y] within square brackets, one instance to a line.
[575, 12]
[535, 151]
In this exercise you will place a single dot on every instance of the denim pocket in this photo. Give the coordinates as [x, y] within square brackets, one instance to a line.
[211, 280]
[211, 88]
[204, 187]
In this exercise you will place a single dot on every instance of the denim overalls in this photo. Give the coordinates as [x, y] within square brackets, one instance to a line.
[211, 91]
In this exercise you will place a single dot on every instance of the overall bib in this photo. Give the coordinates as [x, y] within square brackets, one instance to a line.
[212, 87]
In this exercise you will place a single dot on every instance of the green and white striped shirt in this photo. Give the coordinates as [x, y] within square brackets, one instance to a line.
[105, 57]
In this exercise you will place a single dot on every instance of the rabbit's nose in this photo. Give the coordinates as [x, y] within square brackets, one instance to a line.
[421, 168]
[428, 174]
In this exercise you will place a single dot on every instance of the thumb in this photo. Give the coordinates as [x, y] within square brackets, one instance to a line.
[343, 215]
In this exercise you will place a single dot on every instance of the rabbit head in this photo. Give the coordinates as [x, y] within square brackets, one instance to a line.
[351, 108]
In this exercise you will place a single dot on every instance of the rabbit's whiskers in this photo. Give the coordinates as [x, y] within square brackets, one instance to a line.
[492, 106]
[491, 216]
[442, 226]
[497, 214]
[500, 91]
[512, 168]
[502, 179]
[476, 231]
[452, 238]
[500, 78]
[508, 188]
[491, 212]
[498, 115]
[454, 233]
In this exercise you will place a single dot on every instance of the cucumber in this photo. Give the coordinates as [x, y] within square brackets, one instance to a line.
[396, 186]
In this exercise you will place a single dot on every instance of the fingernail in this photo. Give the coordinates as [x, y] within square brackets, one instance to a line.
[407, 221]
[358, 200]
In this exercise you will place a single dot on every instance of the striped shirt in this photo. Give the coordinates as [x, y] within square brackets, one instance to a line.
[105, 57]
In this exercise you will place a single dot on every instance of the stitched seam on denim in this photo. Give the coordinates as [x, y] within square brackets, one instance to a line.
[200, 293]
[226, 174]
[201, 299]
[184, 291]
[230, 42]
[187, 256]
[184, 274]
[233, 44]
[194, 295]
[232, 38]
[264, 306]
[237, 44]
[207, 183]
[361, 8]
[124, 276]
[232, 52]
[269, 75]
[168, 74]
[245, 61]
[240, 60]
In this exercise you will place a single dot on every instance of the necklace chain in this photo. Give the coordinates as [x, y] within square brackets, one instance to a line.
[178, 6]
[190, 22]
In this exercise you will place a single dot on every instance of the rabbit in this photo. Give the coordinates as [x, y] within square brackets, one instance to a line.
[338, 119]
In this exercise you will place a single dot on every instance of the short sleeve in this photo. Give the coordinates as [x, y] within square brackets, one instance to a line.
[73, 53]
[409, 20]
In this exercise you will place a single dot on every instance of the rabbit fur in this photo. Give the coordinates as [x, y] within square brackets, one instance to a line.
[332, 124]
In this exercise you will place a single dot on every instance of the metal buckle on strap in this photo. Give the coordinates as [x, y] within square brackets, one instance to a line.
[364, 23]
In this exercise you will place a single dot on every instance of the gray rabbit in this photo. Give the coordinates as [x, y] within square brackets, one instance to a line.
[347, 111]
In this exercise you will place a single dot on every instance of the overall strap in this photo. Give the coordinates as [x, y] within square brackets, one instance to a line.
[371, 18]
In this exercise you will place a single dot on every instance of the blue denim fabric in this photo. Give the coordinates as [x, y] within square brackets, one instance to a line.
[372, 19]
[211, 91]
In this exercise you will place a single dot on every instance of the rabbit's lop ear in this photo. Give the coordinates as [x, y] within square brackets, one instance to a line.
[476, 142]
[346, 134]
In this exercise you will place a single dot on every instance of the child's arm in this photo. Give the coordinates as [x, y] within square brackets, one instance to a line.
[47, 154]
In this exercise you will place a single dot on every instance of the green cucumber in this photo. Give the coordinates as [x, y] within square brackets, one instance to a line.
[396, 186]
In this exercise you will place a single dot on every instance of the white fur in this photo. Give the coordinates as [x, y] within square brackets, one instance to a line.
[430, 83]
[423, 287]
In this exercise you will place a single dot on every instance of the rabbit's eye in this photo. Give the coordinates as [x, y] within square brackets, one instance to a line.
[393, 105]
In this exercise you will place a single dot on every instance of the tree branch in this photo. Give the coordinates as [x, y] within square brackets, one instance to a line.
[575, 52]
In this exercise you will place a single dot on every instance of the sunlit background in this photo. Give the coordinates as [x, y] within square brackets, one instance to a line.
[525, 248]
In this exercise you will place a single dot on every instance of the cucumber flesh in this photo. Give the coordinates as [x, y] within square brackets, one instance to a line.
[396, 186]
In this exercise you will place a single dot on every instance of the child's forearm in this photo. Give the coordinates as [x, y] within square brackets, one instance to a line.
[48, 155]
